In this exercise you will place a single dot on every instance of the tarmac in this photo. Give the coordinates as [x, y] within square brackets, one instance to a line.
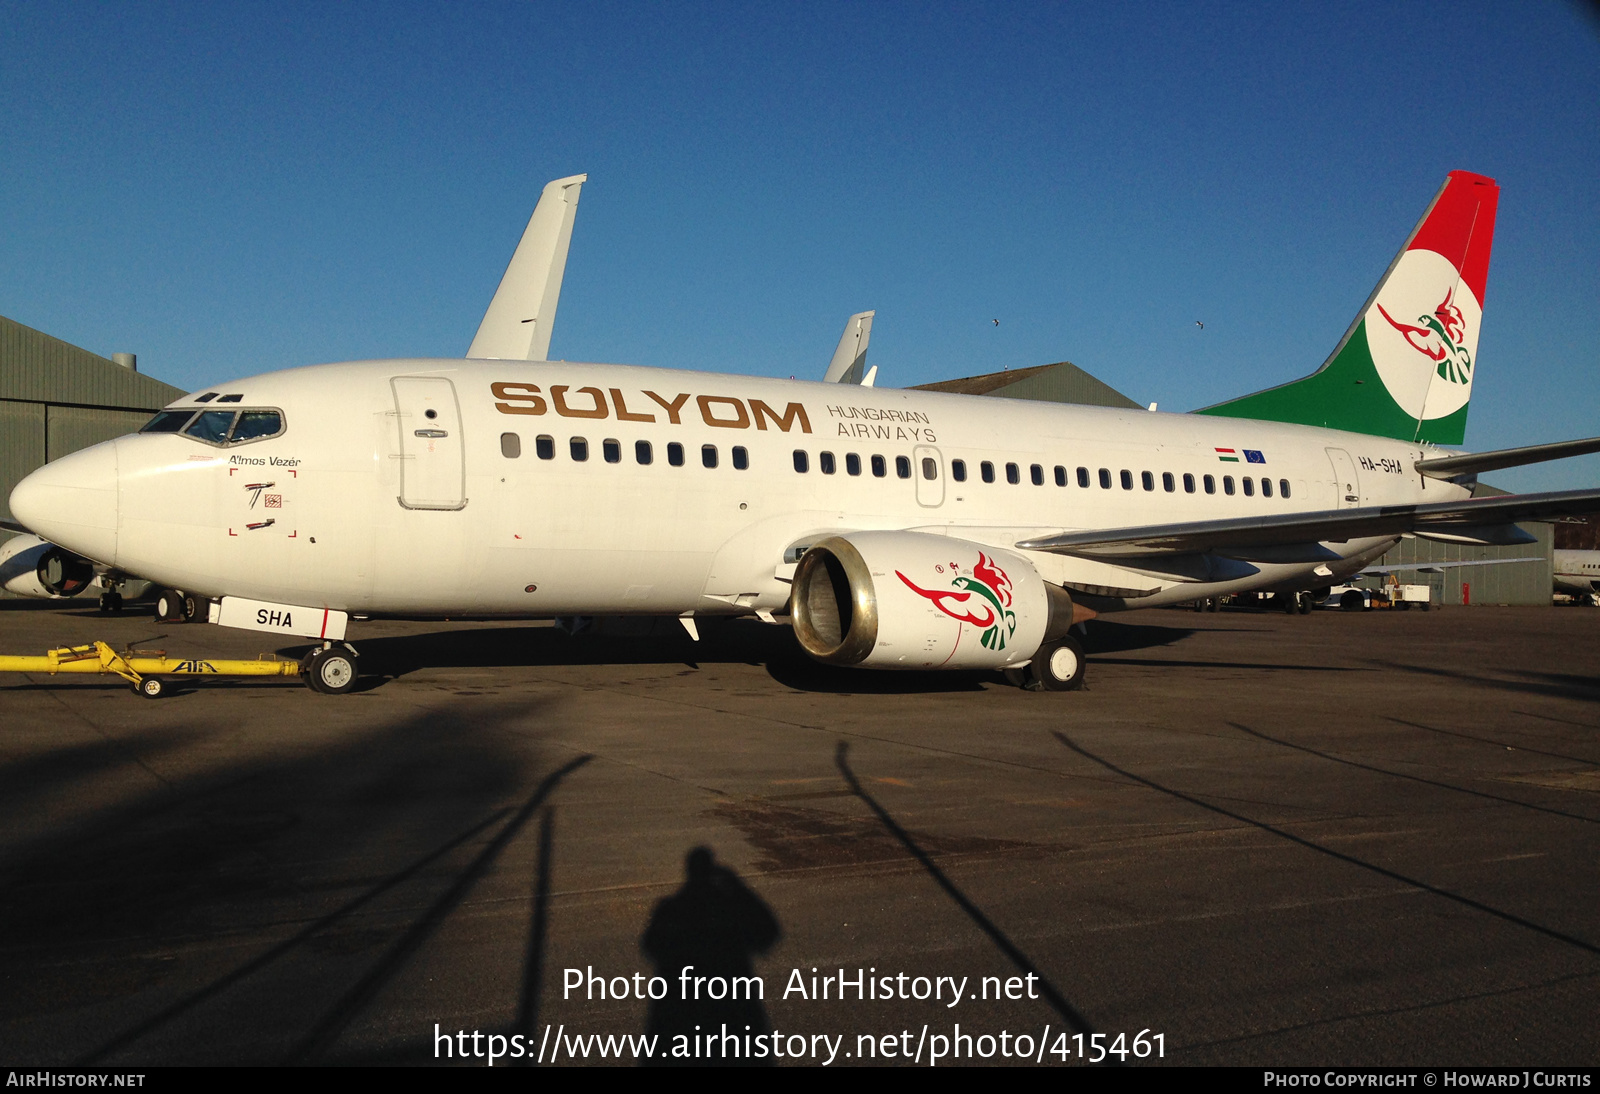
[1254, 839]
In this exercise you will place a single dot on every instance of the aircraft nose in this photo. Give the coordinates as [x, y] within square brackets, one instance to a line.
[73, 502]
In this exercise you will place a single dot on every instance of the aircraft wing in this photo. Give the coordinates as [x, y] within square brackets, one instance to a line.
[517, 325]
[1474, 520]
[11, 526]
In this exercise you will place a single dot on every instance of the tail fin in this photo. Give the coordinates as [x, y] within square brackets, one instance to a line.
[850, 359]
[1404, 368]
[517, 325]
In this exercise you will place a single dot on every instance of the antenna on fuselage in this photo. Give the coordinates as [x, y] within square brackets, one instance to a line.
[520, 317]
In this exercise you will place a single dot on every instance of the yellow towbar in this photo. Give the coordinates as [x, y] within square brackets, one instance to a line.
[143, 669]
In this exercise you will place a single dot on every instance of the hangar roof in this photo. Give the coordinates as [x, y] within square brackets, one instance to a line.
[34, 367]
[1062, 382]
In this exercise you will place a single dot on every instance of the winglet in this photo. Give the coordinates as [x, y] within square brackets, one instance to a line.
[850, 359]
[517, 325]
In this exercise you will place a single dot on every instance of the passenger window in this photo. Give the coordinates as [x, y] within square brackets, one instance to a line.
[510, 445]
[1168, 483]
[1127, 479]
[612, 449]
[708, 455]
[1227, 485]
[986, 469]
[852, 464]
[580, 449]
[1037, 474]
[212, 425]
[1083, 477]
[1061, 475]
[545, 446]
[1105, 478]
[642, 453]
[1013, 474]
[168, 421]
[1249, 487]
[741, 458]
[880, 467]
[958, 470]
[902, 466]
[1266, 488]
[930, 468]
[1210, 484]
[802, 464]
[1147, 480]
[675, 454]
[255, 424]
[825, 463]
[1188, 483]
[1283, 488]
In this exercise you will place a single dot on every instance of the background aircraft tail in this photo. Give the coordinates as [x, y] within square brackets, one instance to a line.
[1404, 368]
[849, 364]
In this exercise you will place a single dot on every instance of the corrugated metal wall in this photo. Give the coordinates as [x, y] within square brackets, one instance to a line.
[56, 398]
[21, 447]
[37, 368]
[1511, 583]
[69, 428]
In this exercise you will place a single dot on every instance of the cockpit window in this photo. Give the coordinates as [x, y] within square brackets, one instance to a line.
[219, 427]
[254, 424]
[168, 421]
[211, 425]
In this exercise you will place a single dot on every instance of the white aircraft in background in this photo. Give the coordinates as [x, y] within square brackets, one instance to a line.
[894, 529]
[1577, 573]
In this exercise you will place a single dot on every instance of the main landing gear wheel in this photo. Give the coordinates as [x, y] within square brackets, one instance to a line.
[173, 606]
[1058, 666]
[331, 671]
[111, 602]
[151, 687]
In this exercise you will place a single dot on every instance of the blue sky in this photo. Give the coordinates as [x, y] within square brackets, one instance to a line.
[231, 189]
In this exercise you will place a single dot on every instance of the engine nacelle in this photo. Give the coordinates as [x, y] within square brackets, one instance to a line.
[909, 600]
[30, 566]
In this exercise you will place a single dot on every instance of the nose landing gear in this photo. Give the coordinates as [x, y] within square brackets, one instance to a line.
[176, 606]
[330, 670]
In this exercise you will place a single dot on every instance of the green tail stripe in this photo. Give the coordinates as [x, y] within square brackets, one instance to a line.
[1346, 393]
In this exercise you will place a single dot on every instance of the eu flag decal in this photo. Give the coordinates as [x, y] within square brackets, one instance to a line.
[1251, 455]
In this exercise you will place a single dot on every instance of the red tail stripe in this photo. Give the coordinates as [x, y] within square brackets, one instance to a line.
[1460, 226]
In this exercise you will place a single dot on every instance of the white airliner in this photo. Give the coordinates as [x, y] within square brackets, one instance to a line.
[894, 528]
[1577, 573]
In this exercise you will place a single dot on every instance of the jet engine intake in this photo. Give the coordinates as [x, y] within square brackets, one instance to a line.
[30, 566]
[910, 600]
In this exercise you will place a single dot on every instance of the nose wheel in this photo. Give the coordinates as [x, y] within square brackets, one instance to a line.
[330, 670]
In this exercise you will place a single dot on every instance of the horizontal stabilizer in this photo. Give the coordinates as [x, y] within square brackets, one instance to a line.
[1332, 525]
[520, 317]
[1475, 463]
[849, 362]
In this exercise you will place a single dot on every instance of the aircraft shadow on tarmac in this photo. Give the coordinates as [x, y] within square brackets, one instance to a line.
[722, 641]
[1553, 684]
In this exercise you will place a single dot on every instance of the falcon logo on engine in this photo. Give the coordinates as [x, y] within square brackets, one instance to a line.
[983, 599]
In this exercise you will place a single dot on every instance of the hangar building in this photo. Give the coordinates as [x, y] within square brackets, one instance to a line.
[56, 398]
